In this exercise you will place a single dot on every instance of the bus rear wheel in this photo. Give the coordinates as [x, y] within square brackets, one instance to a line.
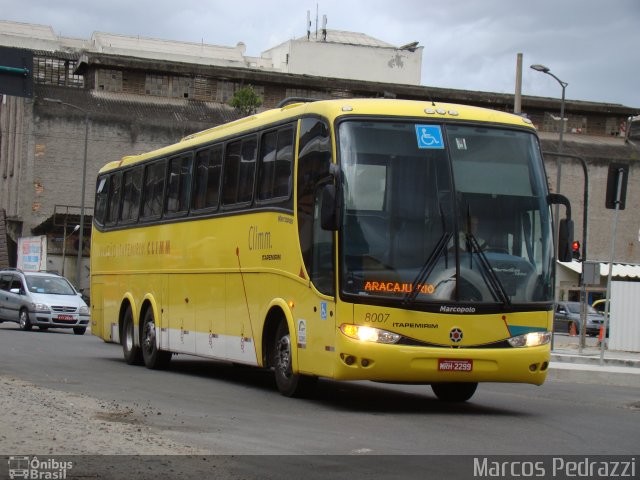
[289, 384]
[454, 392]
[154, 358]
[131, 352]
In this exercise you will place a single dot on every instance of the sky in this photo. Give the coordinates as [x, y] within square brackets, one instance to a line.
[593, 45]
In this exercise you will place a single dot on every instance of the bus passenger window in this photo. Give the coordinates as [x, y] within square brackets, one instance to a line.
[207, 182]
[179, 183]
[114, 199]
[275, 164]
[131, 195]
[153, 190]
[239, 168]
[102, 196]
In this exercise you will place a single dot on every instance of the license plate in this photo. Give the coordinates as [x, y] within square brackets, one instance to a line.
[65, 317]
[447, 365]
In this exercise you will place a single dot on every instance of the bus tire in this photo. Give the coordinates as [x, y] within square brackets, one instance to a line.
[154, 358]
[131, 352]
[24, 322]
[454, 391]
[289, 384]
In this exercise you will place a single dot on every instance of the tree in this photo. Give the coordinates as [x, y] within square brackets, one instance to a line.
[246, 100]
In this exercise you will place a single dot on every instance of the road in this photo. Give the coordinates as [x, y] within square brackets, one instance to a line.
[215, 408]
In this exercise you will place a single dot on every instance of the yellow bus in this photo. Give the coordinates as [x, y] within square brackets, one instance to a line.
[357, 239]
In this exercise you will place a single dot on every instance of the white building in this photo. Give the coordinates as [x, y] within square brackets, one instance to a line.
[355, 56]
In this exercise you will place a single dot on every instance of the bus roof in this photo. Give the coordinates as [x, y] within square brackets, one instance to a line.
[332, 109]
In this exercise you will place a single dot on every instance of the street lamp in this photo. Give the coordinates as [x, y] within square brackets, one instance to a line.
[543, 69]
[84, 175]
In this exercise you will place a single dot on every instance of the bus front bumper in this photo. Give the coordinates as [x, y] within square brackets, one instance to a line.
[356, 360]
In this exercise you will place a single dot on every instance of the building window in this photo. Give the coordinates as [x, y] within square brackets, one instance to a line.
[56, 71]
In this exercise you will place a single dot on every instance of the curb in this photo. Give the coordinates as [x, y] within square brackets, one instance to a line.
[594, 360]
[621, 376]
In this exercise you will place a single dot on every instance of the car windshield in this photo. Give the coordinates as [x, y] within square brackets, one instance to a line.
[443, 213]
[575, 308]
[49, 285]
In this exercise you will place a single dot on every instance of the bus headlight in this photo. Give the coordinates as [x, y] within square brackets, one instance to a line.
[532, 339]
[369, 334]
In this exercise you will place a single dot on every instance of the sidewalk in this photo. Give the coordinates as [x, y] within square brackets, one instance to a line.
[569, 364]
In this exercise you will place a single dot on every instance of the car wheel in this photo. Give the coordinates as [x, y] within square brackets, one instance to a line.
[454, 392]
[25, 323]
[289, 384]
[131, 352]
[79, 330]
[154, 358]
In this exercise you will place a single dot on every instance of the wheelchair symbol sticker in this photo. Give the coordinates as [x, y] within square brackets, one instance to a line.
[323, 310]
[429, 136]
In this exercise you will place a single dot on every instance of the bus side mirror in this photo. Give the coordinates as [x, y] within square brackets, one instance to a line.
[329, 208]
[565, 239]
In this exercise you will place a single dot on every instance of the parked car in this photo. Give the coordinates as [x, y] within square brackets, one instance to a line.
[600, 305]
[41, 299]
[568, 313]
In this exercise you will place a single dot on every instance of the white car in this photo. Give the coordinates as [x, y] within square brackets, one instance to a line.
[41, 299]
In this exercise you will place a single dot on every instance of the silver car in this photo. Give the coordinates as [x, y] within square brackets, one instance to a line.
[568, 313]
[41, 299]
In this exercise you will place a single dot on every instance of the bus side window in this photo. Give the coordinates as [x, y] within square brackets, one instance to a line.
[239, 169]
[276, 156]
[153, 190]
[132, 180]
[206, 190]
[178, 185]
[114, 199]
[314, 159]
[102, 196]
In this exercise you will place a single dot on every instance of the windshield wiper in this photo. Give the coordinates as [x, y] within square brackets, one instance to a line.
[426, 269]
[492, 280]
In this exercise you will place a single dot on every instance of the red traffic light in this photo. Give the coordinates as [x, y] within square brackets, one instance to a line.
[575, 250]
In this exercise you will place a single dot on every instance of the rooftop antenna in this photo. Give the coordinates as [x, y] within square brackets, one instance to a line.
[308, 25]
[324, 28]
[316, 21]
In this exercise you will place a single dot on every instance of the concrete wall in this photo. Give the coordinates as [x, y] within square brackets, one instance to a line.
[14, 148]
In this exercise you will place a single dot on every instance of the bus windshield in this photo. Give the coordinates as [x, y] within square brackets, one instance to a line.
[443, 213]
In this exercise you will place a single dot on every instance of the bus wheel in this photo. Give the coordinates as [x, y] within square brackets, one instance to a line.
[25, 323]
[154, 358]
[454, 392]
[132, 353]
[289, 384]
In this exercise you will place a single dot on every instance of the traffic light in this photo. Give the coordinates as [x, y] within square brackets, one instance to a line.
[575, 250]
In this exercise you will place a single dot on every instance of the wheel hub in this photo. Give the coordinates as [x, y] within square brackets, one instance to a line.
[149, 341]
[283, 356]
